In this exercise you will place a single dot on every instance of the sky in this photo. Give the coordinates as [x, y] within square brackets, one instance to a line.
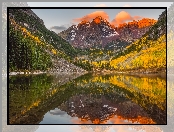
[60, 19]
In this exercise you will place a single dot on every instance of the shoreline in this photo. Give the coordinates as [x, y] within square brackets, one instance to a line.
[135, 71]
[41, 72]
[152, 71]
[23, 73]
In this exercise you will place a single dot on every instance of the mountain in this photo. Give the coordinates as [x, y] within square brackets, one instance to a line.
[170, 41]
[170, 19]
[147, 54]
[89, 45]
[139, 47]
[99, 33]
[135, 29]
[90, 34]
[159, 28]
[33, 47]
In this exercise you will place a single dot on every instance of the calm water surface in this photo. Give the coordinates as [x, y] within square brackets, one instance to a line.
[88, 99]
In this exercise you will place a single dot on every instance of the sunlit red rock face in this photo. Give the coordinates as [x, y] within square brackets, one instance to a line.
[145, 22]
[99, 32]
[135, 29]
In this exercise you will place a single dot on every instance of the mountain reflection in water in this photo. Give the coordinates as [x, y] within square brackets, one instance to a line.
[88, 99]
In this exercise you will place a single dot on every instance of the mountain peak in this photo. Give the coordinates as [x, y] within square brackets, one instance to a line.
[99, 32]
[84, 22]
[144, 22]
[98, 19]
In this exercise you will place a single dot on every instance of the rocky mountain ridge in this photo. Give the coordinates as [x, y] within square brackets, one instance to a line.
[99, 33]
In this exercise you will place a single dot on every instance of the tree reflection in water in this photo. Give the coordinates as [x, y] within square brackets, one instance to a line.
[89, 99]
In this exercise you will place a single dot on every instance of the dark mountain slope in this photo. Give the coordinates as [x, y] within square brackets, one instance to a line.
[33, 47]
[28, 19]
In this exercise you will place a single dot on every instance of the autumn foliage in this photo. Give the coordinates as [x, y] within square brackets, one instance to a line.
[152, 56]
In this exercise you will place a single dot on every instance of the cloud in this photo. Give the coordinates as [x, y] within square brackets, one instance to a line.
[122, 129]
[124, 16]
[92, 15]
[137, 17]
[58, 28]
[91, 128]
[127, 6]
[100, 5]
[120, 18]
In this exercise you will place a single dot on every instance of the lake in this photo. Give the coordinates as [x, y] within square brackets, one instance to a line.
[87, 99]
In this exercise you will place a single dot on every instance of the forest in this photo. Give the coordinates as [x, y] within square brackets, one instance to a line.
[33, 47]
